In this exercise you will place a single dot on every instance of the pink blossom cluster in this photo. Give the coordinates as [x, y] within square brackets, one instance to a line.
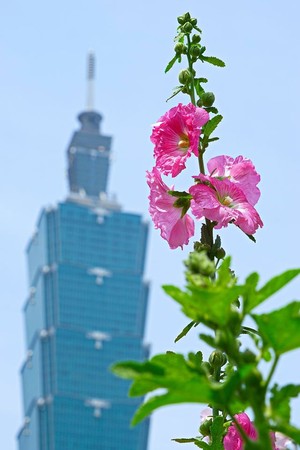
[233, 439]
[226, 195]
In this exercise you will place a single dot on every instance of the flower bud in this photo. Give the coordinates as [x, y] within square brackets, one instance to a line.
[205, 427]
[199, 103]
[199, 263]
[187, 27]
[193, 21]
[220, 253]
[180, 20]
[195, 51]
[208, 98]
[179, 47]
[217, 359]
[196, 39]
[184, 76]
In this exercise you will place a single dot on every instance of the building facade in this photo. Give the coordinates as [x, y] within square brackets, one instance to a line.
[85, 310]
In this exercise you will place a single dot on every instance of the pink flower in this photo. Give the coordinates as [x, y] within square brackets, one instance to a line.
[281, 441]
[233, 439]
[175, 229]
[223, 202]
[176, 136]
[240, 171]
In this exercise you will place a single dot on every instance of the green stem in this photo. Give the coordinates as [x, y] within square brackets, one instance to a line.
[274, 365]
[192, 91]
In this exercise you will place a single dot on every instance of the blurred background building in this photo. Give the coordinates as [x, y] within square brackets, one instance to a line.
[85, 309]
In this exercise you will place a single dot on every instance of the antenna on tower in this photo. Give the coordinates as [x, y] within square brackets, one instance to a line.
[90, 81]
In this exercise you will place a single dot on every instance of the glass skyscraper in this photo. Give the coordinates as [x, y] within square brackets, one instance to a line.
[85, 310]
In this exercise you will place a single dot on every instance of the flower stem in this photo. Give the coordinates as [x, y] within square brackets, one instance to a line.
[271, 371]
[192, 91]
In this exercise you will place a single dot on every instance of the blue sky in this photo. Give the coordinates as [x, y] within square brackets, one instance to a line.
[42, 80]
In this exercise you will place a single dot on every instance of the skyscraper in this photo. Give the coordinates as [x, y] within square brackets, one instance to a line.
[86, 308]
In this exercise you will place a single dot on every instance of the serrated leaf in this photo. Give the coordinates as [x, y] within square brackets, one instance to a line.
[280, 329]
[185, 331]
[211, 125]
[280, 401]
[276, 283]
[211, 306]
[213, 60]
[271, 287]
[171, 63]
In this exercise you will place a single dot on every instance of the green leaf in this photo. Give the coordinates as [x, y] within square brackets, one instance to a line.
[254, 298]
[180, 194]
[185, 331]
[213, 139]
[171, 63]
[213, 60]
[275, 284]
[211, 125]
[175, 92]
[280, 329]
[280, 401]
[217, 432]
[196, 441]
[211, 306]
[198, 87]
[211, 109]
[184, 440]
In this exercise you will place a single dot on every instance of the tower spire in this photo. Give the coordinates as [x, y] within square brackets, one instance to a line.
[90, 81]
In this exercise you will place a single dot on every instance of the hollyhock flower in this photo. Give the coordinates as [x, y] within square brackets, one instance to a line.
[175, 229]
[233, 439]
[223, 202]
[176, 136]
[240, 171]
[281, 441]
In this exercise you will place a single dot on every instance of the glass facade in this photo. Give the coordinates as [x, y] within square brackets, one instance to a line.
[85, 310]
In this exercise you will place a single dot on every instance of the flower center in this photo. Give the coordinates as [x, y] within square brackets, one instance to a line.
[184, 142]
[227, 201]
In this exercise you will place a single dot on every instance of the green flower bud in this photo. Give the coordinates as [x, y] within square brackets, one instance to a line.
[208, 98]
[195, 51]
[196, 39]
[199, 103]
[185, 90]
[205, 427]
[179, 47]
[187, 27]
[180, 20]
[220, 253]
[217, 359]
[184, 76]
[194, 22]
[199, 263]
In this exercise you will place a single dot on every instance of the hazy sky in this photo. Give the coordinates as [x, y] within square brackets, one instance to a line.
[42, 79]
